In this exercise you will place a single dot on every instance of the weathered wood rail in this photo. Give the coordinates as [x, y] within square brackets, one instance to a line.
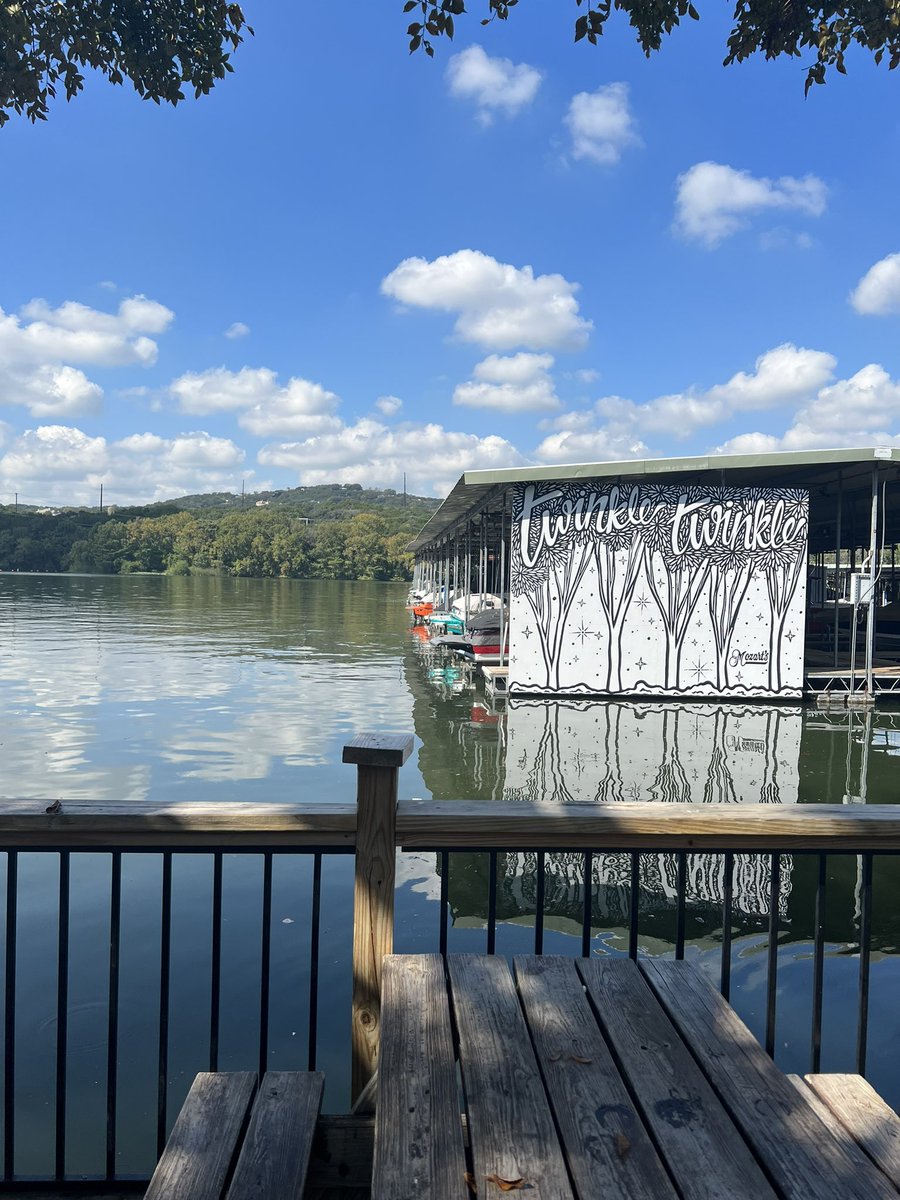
[377, 824]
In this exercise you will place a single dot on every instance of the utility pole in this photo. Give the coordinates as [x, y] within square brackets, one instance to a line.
[17, 502]
[242, 493]
[404, 489]
[101, 498]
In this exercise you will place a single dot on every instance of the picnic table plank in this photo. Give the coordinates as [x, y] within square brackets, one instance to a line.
[608, 1150]
[871, 1121]
[275, 1153]
[705, 1153]
[204, 1138]
[511, 1130]
[831, 1121]
[418, 1132]
[788, 1137]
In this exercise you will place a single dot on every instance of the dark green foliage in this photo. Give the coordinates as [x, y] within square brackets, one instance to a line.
[347, 540]
[164, 47]
[822, 32]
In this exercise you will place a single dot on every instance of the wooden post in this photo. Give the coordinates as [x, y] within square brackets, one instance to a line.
[378, 759]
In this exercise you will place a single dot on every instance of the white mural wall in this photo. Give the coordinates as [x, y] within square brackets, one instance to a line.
[659, 590]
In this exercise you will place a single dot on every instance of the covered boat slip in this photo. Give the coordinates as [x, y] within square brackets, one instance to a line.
[764, 576]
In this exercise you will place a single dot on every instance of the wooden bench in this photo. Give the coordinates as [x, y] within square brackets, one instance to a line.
[234, 1141]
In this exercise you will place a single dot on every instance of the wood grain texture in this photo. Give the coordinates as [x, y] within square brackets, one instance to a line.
[607, 1148]
[205, 1138]
[373, 914]
[462, 824]
[275, 1151]
[830, 1121]
[418, 1132]
[799, 1153]
[141, 823]
[511, 1130]
[704, 1152]
[869, 1119]
[379, 749]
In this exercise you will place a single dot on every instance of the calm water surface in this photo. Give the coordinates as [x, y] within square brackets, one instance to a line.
[216, 689]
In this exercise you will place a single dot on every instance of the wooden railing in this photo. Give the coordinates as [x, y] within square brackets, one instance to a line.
[375, 825]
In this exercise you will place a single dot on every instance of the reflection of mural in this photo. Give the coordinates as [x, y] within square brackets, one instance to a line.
[662, 590]
[663, 751]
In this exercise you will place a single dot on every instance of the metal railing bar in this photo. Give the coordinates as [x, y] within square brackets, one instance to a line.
[634, 904]
[586, 904]
[215, 966]
[818, 966]
[165, 967]
[265, 964]
[492, 903]
[727, 903]
[772, 965]
[680, 904]
[314, 929]
[62, 1013]
[112, 1027]
[9, 1068]
[445, 902]
[865, 951]
[539, 902]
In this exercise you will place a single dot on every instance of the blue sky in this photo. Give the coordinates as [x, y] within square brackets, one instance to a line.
[347, 263]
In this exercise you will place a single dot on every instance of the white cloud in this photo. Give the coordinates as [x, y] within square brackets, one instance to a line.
[39, 347]
[785, 376]
[878, 292]
[62, 464]
[714, 201]
[389, 405]
[266, 407]
[237, 329]
[376, 454]
[494, 84]
[499, 306]
[601, 124]
[518, 383]
[863, 410]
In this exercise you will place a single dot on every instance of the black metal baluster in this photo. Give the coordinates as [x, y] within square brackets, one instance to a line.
[314, 961]
[680, 904]
[265, 964]
[215, 972]
[445, 901]
[9, 1070]
[727, 899]
[818, 968]
[634, 905]
[865, 950]
[492, 903]
[586, 906]
[539, 903]
[62, 1013]
[165, 967]
[772, 973]
[112, 1025]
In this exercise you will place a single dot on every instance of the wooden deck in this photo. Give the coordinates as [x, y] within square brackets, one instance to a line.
[589, 1078]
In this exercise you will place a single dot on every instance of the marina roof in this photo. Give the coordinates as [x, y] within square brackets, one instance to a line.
[823, 472]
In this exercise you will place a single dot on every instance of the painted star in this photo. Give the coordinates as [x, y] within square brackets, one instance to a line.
[583, 632]
[642, 602]
[697, 670]
[790, 635]
[640, 664]
[527, 632]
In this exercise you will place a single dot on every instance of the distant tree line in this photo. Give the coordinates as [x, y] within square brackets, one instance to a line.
[264, 542]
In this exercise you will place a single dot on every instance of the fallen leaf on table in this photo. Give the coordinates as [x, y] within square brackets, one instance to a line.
[554, 1057]
[470, 1183]
[506, 1185]
[55, 807]
[577, 1058]
[622, 1145]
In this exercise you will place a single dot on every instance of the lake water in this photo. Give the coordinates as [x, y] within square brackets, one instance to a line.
[218, 689]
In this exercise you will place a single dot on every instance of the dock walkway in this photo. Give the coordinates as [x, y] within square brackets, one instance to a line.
[587, 1078]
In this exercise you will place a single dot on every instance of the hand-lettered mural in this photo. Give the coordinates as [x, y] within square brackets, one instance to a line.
[663, 590]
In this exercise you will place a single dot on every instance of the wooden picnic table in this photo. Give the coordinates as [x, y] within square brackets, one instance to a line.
[600, 1078]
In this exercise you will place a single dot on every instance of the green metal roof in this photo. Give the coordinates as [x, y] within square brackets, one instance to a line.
[790, 467]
